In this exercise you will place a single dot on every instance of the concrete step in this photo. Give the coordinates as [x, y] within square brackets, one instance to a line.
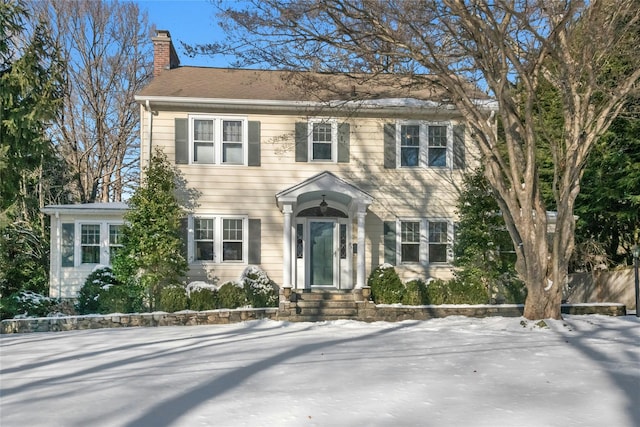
[327, 304]
[338, 312]
[318, 318]
[326, 296]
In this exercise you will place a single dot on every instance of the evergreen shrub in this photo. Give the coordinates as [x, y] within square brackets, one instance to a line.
[26, 304]
[91, 298]
[415, 293]
[173, 298]
[456, 291]
[202, 296]
[232, 295]
[261, 291]
[386, 286]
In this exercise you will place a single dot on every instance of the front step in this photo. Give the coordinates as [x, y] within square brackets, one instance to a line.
[323, 305]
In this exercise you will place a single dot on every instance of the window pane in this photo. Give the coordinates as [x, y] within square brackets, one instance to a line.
[232, 131]
[437, 157]
[204, 251]
[409, 156]
[232, 251]
[115, 234]
[90, 234]
[299, 241]
[232, 229]
[322, 132]
[203, 228]
[437, 253]
[232, 153]
[438, 232]
[68, 243]
[91, 254]
[203, 152]
[410, 135]
[410, 232]
[438, 241]
[321, 151]
[410, 252]
[203, 130]
[343, 241]
[437, 136]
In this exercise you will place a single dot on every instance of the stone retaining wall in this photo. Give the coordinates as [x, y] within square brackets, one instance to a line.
[367, 312]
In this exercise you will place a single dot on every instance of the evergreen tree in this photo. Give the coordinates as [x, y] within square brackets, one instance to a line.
[151, 257]
[30, 175]
[483, 249]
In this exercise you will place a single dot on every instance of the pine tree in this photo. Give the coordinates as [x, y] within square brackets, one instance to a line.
[152, 257]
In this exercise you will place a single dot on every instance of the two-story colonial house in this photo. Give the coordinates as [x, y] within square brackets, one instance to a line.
[315, 191]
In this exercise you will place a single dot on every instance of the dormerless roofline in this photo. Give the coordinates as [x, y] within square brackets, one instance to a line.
[381, 105]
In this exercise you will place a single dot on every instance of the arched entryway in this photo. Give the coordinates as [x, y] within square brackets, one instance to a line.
[323, 218]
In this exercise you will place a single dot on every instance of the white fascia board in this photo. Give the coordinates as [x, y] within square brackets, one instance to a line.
[387, 104]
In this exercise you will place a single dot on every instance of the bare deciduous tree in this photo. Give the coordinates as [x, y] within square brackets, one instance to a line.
[585, 50]
[109, 59]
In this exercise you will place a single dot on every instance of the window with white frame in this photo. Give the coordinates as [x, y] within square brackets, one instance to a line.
[323, 140]
[232, 240]
[423, 144]
[219, 239]
[218, 140]
[90, 243]
[203, 239]
[410, 241]
[438, 241]
[115, 240]
[430, 247]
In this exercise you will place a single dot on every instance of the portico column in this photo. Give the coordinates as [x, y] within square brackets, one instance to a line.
[360, 272]
[286, 246]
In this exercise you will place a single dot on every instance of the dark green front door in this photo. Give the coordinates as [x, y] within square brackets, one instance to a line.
[321, 252]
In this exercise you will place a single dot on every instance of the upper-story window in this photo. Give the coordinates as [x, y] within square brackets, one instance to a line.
[423, 144]
[323, 140]
[420, 144]
[218, 140]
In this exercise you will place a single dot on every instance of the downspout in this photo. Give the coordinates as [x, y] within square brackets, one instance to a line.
[149, 128]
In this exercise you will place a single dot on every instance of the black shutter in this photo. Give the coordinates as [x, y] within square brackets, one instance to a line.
[182, 141]
[255, 241]
[343, 142]
[458, 147]
[390, 146]
[302, 141]
[254, 143]
[390, 242]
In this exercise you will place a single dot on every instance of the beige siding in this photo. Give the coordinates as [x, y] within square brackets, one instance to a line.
[251, 191]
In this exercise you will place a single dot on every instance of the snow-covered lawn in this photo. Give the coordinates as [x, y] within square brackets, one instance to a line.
[583, 371]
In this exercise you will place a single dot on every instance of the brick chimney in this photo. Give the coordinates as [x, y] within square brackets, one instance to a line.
[164, 55]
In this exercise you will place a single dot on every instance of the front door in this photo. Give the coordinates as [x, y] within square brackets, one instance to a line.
[322, 253]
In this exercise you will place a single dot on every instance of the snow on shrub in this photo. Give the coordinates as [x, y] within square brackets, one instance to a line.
[202, 296]
[386, 286]
[260, 289]
[232, 295]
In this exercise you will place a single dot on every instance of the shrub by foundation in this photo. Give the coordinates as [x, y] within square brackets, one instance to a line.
[202, 296]
[386, 286]
[260, 290]
[173, 298]
[232, 295]
[415, 293]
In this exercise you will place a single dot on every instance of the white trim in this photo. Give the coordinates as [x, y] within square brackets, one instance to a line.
[423, 148]
[218, 135]
[217, 239]
[424, 240]
[334, 139]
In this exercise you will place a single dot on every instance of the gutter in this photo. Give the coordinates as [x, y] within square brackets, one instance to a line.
[392, 105]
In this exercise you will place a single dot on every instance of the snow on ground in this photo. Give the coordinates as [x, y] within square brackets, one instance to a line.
[458, 371]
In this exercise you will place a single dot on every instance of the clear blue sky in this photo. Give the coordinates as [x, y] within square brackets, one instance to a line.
[188, 21]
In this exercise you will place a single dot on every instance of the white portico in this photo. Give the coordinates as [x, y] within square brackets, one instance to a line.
[321, 215]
